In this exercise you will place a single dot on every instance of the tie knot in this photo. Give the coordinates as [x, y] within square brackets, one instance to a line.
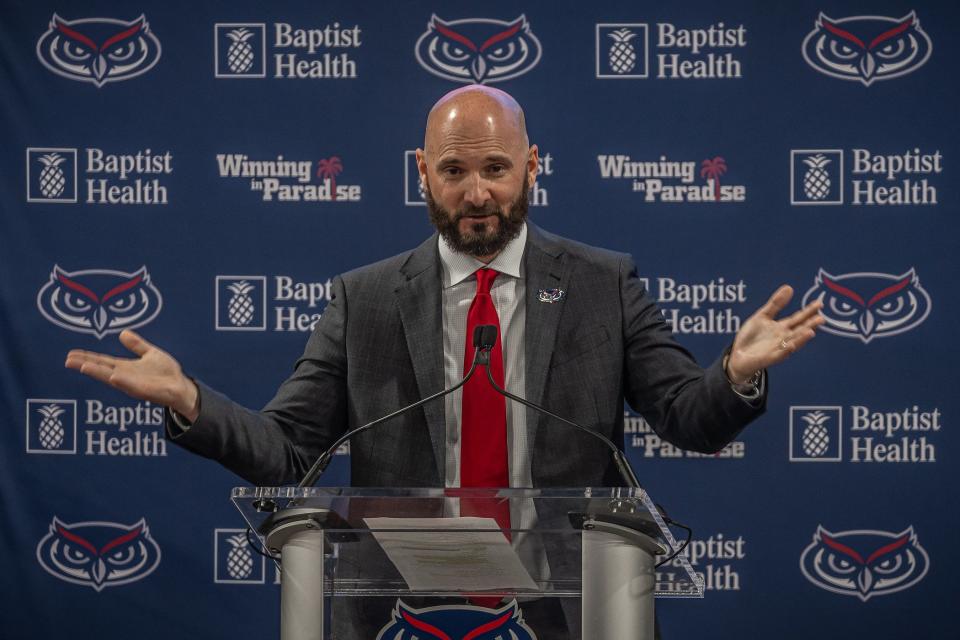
[485, 278]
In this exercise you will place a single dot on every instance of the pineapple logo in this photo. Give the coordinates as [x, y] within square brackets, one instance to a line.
[815, 438]
[239, 560]
[815, 434]
[240, 307]
[51, 175]
[52, 179]
[241, 303]
[621, 51]
[240, 53]
[51, 430]
[239, 50]
[51, 426]
[816, 176]
[234, 560]
[622, 56]
[816, 181]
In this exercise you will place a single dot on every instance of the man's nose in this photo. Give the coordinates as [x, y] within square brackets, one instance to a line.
[477, 191]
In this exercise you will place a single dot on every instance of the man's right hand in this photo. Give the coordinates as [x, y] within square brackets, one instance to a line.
[153, 375]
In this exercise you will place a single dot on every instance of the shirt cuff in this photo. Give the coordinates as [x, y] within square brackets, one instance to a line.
[180, 421]
[753, 389]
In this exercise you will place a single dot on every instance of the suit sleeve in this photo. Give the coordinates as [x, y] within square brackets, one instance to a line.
[690, 407]
[278, 444]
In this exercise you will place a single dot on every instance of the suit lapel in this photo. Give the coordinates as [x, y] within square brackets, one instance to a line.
[421, 307]
[546, 267]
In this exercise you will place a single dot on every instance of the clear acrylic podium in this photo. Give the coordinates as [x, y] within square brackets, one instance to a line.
[596, 549]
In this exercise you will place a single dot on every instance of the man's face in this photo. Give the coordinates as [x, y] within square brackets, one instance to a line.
[479, 231]
[477, 169]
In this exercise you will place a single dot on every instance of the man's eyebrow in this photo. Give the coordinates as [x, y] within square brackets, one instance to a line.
[498, 157]
[501, 158]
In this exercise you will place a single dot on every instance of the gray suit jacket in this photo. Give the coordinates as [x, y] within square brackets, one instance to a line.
[378, 347]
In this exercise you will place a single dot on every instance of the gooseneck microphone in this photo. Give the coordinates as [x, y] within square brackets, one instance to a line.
[481, 335]
[487, 335]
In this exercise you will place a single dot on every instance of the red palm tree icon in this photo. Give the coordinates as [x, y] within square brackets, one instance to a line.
[329, 168]
[714, 169]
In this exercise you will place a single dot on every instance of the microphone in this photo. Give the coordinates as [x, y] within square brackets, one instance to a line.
[487, 338]
[481, 336]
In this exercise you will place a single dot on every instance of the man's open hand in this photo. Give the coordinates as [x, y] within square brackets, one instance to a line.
[763, 340]
[153, 375]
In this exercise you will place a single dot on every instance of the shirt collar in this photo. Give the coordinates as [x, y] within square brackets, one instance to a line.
[457, 267]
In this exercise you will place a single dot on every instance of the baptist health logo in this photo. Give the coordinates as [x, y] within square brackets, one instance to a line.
[234, 562]
[240, 50]
[910, 177]
[51, 426]
[51, 174]
[241, 303]
[816, 434]
[623, 51]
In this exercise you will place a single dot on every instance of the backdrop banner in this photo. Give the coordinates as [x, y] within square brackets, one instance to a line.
[200, 171]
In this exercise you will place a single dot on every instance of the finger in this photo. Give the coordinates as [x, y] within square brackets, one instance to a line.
[131, 340]
[801, 338]
[811, 323]
[76, 358]
[97, 371]
[804, 314]
[779, 300]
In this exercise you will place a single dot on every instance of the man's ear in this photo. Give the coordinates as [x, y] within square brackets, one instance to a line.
[533, 164]
[422, 166]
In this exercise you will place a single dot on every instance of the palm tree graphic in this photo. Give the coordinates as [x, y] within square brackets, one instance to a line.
[329, 168]
[714, 169]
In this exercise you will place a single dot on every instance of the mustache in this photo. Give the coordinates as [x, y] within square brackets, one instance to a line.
[472, 211]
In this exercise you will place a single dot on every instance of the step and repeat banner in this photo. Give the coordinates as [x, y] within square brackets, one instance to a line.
[200, 172]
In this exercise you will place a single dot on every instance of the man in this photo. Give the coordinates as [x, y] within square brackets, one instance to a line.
[577, 333]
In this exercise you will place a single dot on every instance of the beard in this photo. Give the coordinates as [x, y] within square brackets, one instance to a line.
[482, 238]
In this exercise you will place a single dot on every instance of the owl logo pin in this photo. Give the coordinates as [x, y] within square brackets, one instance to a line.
[551, 295]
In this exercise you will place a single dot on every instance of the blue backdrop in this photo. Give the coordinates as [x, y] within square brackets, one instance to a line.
[201, 170]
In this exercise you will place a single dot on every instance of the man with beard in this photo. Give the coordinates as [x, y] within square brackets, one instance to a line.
[577, 333]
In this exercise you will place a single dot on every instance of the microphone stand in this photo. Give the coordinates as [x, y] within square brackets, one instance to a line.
[324, 460]
[619, 459]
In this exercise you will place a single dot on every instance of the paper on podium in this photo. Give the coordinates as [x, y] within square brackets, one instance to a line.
[461, 560]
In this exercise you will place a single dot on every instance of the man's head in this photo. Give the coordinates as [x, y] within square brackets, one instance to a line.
[477, 166]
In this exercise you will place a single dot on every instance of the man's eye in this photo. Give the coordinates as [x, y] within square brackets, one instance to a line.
[451, 171]
[497, 168]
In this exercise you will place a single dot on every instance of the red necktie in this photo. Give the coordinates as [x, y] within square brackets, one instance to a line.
[483, 431]
[483, 425]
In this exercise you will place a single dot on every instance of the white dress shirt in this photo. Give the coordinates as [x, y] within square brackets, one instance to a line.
[508, 293]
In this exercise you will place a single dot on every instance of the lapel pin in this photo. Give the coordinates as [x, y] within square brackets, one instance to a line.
[550, 295]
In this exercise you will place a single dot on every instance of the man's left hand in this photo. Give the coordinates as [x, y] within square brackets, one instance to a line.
[763, 340]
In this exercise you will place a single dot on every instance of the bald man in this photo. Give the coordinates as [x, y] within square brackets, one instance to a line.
[577, 333]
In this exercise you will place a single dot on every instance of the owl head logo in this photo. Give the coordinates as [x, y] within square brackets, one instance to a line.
[478, 50]
[864, 563]
[870, 305]
[98, 50]
[867, 48]
[463, 622]
[98, 554]
[99, 301]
